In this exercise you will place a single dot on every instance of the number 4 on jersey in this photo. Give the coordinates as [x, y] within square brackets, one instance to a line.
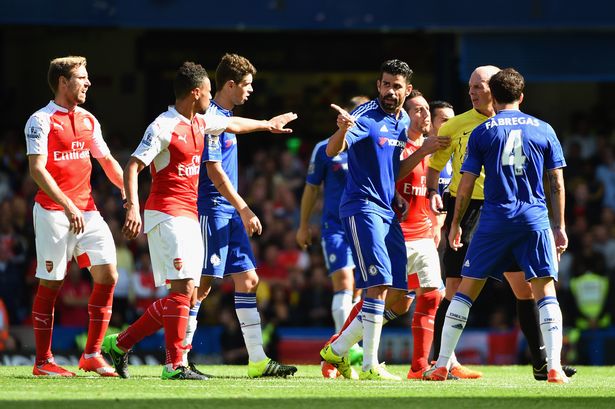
[513, 152]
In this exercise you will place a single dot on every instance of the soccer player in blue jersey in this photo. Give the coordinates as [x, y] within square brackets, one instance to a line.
[331, 174]
[515, 149]
[227, 221]
[375, 135]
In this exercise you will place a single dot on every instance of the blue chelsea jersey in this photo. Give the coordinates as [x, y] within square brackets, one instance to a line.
[331, 172]
[374, 148]
[514, 149]
[220, 149]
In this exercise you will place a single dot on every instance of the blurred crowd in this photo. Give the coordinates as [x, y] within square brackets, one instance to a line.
[295, 289]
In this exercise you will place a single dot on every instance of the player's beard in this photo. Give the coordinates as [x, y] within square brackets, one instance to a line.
[388, 103]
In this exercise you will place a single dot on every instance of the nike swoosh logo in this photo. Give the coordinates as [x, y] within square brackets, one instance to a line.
[466, 133]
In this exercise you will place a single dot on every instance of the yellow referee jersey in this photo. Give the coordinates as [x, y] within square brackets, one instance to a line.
[459, 129]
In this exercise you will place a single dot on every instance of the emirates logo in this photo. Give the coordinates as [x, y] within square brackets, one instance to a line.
[178, 263]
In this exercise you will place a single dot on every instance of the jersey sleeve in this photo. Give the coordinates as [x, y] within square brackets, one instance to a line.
[473, 161]
[37, 132]
[359, 131]
[99, 148]
[155, 140]
[316, 169]
[554, 157]
[439, 158]
[215, 124]
[213, 149]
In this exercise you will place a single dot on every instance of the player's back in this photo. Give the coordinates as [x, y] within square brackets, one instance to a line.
[331, 173]
[514, 149]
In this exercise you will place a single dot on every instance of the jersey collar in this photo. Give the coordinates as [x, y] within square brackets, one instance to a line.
[177, 114]
[226, 112]
[57, 107]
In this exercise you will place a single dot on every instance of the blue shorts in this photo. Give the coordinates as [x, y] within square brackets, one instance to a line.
[227, 246]
[337, 252]
[378, 249]
[491, 254]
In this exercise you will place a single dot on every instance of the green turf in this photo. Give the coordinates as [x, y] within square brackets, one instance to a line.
[501, 387]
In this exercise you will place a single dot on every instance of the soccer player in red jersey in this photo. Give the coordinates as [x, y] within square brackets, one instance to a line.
[421, 229]
[173, 145]
[60, 139]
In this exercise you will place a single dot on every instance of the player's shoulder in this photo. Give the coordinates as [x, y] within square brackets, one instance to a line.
[82, 112]
[320, 148]
[43, 114]
[366, 110]
[456, 123]
[164, 123]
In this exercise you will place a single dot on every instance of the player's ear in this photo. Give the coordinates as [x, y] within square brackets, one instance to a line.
[196, 93]
[408, 89]
[520, 98]
[230, 84]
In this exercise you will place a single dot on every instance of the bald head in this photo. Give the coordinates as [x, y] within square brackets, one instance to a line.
[485, 72]
[479, 89]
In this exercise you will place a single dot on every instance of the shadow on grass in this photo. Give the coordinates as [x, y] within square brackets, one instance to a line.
[410, 402]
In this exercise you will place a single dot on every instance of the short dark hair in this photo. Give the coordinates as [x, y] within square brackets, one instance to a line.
[63, 67]
[438, 104]
[232, 67]
[188, 77]
[415, 93]
[396, 67]
[507, 86]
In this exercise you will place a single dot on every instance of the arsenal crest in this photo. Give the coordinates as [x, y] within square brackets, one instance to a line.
[178, 263]
[49, 265]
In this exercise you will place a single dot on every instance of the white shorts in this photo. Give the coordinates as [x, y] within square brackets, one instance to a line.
[176, 250]
[423, 266]
[56, 245]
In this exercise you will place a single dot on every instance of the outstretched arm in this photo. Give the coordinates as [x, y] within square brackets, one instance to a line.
[221, 181]
[558, 204]
[308, 200]
[430, 145]
[239, 125]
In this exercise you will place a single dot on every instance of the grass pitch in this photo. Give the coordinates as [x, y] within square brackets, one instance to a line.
[501, 387]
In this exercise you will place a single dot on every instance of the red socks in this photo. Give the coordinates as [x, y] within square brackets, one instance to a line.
[99, 309]
[422, 328]
[147, 324]
[175, 321]
[172, 313]
[42, 321]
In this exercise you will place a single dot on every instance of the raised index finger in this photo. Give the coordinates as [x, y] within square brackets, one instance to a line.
[340, 110]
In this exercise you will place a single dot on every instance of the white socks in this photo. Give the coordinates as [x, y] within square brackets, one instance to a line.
[550, 318]
[454, 323]
[372, 316]
[190, 330]
[340, 307]
[250, 322]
